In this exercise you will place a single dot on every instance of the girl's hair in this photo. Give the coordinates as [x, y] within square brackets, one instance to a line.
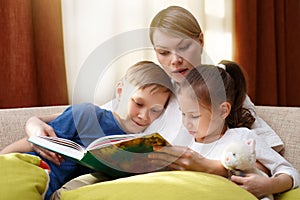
[145, 74]
[175, 19]
[213, 85]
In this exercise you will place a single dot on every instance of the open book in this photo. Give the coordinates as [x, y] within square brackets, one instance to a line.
[114, 155]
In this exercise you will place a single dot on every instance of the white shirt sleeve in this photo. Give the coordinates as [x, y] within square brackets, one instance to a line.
[263, 129]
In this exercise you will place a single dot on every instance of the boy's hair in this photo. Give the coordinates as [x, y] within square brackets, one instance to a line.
[213, 85]
[145, 74]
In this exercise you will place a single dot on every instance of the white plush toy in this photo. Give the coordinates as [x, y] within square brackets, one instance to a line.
[239, 158]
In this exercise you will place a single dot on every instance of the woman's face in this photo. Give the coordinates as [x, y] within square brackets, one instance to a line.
[178, 56]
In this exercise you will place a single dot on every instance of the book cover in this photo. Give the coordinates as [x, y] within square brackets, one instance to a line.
[115, 155]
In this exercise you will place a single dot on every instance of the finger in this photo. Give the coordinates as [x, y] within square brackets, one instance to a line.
[47, 155]
[50, 132]
[175, 151]
[167, 158]
[175, 166]
[237, 179]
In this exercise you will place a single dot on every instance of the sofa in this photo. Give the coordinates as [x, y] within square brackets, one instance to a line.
[284, 120]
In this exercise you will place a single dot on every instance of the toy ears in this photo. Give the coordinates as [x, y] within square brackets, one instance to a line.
[225, 108]
[251, 144]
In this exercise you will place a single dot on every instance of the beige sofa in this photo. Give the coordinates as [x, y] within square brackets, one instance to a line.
[284, 120]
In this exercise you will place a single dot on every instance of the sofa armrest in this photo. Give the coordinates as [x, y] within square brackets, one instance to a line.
[286, 123]
[12, 121]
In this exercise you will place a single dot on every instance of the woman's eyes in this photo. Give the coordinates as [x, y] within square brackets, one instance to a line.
[181, 48]
[184, 47]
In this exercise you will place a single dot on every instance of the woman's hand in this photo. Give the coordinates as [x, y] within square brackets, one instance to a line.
[184, 158]
[262, 186]
[35, 127]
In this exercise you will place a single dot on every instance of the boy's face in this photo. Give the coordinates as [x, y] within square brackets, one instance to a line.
[144, 106]
[200, 122]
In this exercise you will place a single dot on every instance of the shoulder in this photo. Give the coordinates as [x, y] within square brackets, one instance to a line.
[88, 108]
[241, 133]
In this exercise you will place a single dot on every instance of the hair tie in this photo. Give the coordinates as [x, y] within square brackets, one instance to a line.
[220, 65]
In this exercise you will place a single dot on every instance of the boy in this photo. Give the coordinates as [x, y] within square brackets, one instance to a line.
[143, 95]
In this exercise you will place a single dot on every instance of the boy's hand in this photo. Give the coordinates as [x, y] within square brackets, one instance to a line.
[36, 127]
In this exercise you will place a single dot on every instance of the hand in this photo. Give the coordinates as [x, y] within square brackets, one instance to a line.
[35, 127]
[178, 158]
[256, 184]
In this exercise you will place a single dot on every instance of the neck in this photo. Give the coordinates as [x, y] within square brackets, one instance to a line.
[213, 136]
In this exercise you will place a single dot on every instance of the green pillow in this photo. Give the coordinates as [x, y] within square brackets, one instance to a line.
[290, 195]
[22, 177]
[174, 185]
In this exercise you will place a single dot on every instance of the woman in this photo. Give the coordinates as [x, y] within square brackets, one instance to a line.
[178, 42]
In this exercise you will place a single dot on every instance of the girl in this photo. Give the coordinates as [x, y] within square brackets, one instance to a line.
[211, 101]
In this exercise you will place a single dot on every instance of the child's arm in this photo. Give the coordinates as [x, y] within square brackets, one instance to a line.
[38, 125]
[19, 146]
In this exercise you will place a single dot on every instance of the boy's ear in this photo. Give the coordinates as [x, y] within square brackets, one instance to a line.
[119, 89]
[225, 109]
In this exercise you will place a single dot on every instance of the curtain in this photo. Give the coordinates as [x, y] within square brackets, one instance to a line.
[267, 45]
[32, 69]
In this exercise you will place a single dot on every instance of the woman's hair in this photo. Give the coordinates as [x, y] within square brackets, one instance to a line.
[176, 20]
[145, 74]
[212, 85]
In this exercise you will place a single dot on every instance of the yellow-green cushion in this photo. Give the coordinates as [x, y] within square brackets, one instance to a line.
[290, 195]
[175, 185]
[21, 177]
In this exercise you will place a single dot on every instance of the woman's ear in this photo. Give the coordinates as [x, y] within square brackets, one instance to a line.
[201, 39]
[225, 109]
[119, 90]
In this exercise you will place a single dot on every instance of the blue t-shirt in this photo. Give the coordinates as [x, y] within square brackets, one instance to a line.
[81, 123]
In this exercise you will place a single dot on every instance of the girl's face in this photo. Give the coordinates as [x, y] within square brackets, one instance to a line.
[200, 122]
[178, 56]
[144, 106]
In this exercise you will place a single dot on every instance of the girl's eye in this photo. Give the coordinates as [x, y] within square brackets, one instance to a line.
[195, 116]
[156, 110]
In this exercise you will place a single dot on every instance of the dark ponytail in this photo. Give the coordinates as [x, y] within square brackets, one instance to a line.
[239, 116]
[212, 85]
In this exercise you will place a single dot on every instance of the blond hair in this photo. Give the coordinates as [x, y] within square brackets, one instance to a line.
[176, 20]
[145, 74]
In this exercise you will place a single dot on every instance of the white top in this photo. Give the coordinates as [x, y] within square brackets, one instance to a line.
[265, 154]
[169, 124]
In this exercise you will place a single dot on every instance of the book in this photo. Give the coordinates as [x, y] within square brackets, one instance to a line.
[114, 155]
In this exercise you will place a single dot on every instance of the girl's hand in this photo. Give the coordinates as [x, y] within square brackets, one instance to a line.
[184, 158]
[35, 127]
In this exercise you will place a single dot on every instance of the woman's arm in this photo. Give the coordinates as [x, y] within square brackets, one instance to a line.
[19, 146]
[262, 129]
[262, 186]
